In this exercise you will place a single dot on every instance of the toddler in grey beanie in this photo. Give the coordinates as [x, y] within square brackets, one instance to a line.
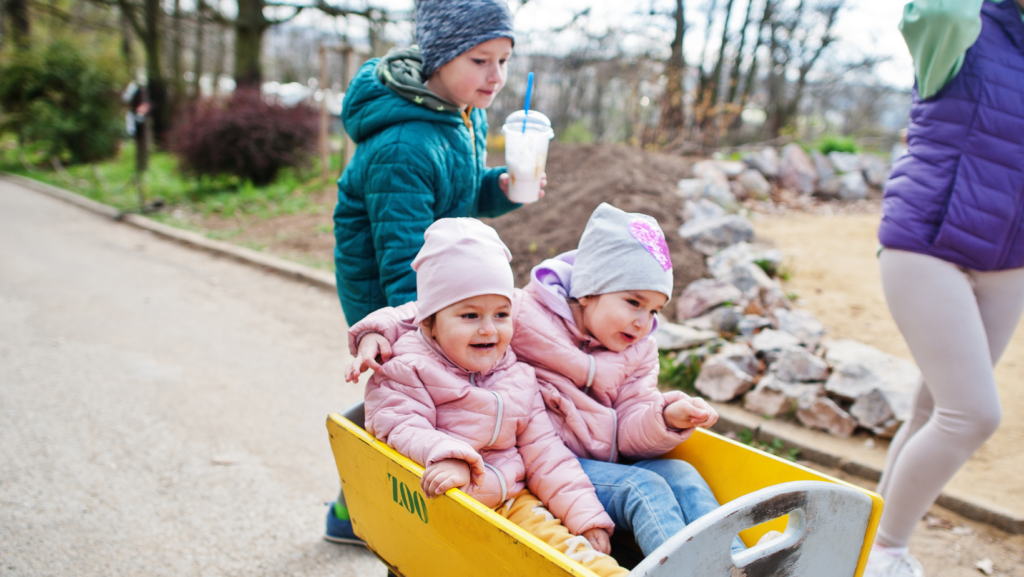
[447, 28]
[621, 251]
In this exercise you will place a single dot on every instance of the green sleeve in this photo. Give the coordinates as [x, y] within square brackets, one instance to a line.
[493, 202]
[938, 34]
[399, 198]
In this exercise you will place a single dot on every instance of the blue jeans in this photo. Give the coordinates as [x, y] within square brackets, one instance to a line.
[654, 499]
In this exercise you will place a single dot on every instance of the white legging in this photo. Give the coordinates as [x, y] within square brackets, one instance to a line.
[957, 323]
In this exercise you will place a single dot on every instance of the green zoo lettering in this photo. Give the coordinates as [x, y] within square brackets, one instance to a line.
[409, 499]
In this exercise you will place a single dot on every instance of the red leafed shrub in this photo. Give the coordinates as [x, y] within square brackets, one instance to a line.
[246, 136]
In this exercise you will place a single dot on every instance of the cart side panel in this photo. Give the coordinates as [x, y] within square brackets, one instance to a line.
[733, 469]
[452, 535]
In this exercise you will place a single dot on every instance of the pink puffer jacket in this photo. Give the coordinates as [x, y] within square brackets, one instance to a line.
[605, 405]
[429, 409]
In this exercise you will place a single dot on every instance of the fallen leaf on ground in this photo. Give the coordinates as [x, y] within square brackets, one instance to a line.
[937, 522]
[985, 566]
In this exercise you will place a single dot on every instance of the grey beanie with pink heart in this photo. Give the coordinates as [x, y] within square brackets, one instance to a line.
[621, 251]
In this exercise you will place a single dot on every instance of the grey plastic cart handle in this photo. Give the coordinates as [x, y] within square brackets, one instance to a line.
[824, 536]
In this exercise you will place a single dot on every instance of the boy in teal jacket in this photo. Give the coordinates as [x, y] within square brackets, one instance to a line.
[417, 117]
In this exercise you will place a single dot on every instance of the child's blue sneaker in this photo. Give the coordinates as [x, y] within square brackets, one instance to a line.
[340, 530]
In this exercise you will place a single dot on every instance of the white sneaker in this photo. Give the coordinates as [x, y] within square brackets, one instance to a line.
[892, 562]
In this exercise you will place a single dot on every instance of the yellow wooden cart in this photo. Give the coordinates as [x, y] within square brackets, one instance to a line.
[828, 525]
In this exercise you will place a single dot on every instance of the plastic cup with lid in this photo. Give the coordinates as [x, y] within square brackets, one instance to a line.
[526, 153]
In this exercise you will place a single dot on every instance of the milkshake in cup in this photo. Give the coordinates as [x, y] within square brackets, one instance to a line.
[526, 153]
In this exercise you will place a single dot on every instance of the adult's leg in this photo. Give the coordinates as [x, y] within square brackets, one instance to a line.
[922, 408]
[528, 512]
[935, 306]
[637, 500]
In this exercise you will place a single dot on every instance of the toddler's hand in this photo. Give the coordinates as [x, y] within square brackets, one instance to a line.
[444, 475]
[690, 412]
[371, 347]
[599, 539]
[504, 178]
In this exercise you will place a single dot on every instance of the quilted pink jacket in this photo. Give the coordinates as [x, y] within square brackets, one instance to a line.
[428, 408]
[605, 405]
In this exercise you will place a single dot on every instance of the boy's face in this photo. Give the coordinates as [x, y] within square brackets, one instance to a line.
[474, 332]
[474, 77]
[620, 319]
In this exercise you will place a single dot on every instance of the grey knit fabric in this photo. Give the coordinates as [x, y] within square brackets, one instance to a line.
[447, 28]
[621, 251]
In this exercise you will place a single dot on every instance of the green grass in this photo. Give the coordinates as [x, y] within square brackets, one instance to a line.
[678, 370]
[112, 182]
[775, 447]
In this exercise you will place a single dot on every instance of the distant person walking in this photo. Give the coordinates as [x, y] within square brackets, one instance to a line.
[953, 258]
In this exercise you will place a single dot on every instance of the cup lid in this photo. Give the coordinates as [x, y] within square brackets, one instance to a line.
[535, 121]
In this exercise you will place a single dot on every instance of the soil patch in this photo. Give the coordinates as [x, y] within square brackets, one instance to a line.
[580, 177]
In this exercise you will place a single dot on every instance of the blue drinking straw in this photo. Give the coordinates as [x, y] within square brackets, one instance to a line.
[529, 93]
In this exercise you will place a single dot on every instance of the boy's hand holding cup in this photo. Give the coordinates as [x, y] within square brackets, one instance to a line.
[526, 155]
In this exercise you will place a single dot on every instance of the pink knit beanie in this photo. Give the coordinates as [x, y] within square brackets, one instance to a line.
[461, 258]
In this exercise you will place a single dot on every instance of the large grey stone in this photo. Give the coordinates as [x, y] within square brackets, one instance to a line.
[750, 279]
[797, 364]
[690, 188]
[773, 397]
[673, 337]
[802, 324]
[857, 369]
[730, 168]
[701, 209]
[852, 186]
[756, 185]
[796, 171]
[726, 319]
[720, 195]
[712, 235]
[709, 171]
[823, 413]
[721, 263]
[704, 294]
[765, 161]
[845, 161]
[722, 380]
[872, 411]
[742, 356]
[875, 169]
[750, 324]
[772, 342]
[823, 165]
[775, 298]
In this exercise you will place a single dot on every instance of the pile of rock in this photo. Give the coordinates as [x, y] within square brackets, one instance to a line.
[752, 344]
[837, 175]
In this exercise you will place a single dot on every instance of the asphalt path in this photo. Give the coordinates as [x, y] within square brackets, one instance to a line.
[161, 409]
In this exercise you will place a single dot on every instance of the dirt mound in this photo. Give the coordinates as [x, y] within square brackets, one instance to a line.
[580, 177]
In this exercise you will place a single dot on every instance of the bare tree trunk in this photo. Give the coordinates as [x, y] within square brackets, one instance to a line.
[704, 49]
[734, 74]
[126, 46]
[748, 83]
[197, 64]
[218, 66]
[16, 13]
[177, 83]
[148, 26]
[249, 27]
[672, 113]
[716, 74]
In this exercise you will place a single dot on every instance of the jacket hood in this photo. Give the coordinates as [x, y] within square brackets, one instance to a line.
[553, 278]
[388, 91]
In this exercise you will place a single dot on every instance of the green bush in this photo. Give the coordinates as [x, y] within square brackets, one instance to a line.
[62, 99]
[837, 144]
[576, 133]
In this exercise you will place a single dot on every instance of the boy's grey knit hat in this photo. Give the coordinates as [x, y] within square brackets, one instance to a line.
[447, 28]
[621, 251]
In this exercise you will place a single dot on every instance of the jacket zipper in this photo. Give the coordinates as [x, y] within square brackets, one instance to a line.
[472, 138]
[1016, 232]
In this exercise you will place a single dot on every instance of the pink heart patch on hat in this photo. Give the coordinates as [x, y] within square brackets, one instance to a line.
[653, 240]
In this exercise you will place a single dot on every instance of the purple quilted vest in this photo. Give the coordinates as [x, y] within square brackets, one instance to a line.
[958, 193]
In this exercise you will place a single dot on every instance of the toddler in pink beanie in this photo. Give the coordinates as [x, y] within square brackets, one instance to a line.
[454, 399]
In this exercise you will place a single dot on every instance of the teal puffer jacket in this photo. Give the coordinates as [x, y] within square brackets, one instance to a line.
[418, 159]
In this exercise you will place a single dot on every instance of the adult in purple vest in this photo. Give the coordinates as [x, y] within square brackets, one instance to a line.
[953, 236]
